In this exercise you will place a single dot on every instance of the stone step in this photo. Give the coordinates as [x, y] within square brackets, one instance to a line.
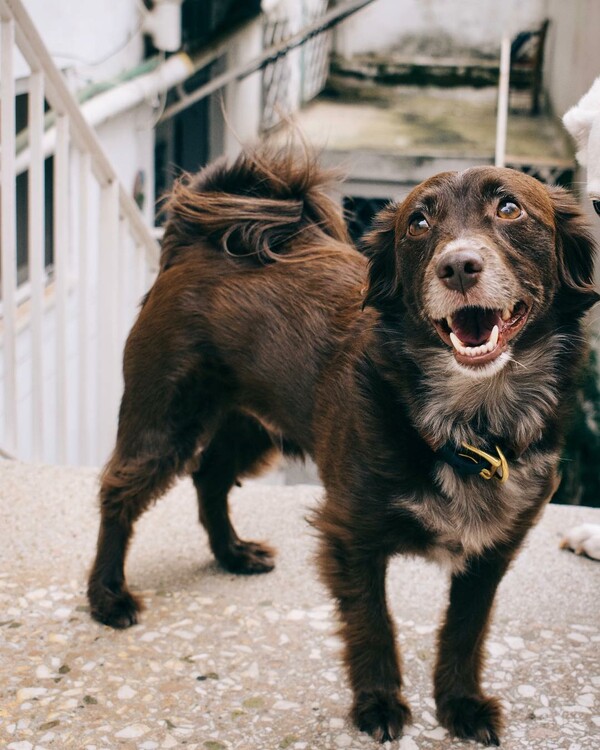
[396, 69]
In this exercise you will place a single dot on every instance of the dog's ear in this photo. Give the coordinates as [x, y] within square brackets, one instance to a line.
[576, 251]
[379, 245]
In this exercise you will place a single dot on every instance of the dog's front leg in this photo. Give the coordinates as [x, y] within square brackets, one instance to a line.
[462, 707]
[356, 577]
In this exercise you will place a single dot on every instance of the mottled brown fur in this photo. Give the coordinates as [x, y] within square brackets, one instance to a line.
[267, 331]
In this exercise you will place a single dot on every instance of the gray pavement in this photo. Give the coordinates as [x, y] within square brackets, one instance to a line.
[230, 662]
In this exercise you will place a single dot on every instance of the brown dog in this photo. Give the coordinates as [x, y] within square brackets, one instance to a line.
[267, 330]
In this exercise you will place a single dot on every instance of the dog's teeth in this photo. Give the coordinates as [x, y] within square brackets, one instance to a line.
[457, 343]
[493, 340]
[449, 321]
[506, 314]
[475, 351]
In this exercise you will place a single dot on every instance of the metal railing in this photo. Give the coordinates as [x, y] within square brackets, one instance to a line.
[62, 329]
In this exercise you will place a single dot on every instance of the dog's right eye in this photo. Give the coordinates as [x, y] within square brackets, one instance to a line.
[508, 209]
[418, 225]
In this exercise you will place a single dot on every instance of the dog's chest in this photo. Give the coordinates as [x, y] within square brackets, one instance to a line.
[467, 515]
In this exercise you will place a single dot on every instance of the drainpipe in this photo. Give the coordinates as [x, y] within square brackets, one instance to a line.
[171, 72]
[123, 97]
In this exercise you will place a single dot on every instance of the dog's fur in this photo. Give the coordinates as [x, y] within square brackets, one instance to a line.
[266, 330]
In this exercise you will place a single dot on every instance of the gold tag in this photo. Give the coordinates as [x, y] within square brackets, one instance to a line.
[496, 463]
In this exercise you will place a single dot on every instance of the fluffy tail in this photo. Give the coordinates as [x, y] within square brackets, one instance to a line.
[268, 205]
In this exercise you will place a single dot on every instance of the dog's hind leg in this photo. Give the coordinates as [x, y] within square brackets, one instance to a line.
[129, 484]
[159, 430]
[240, 447]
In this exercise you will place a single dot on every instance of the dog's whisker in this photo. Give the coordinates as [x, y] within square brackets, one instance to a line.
[520, 364]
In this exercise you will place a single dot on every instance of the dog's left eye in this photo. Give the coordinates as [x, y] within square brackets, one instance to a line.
[508, 209]
[418, 225]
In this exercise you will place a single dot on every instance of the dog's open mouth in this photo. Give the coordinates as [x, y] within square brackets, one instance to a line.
[478, 335]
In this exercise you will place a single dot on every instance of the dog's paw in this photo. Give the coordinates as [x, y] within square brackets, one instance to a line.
[118, 609]
[583, 540]
[382, 715]
[248, 558]
[472, 718]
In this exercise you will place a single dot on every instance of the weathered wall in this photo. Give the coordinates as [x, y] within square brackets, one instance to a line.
[573, 59]
[572, 65]
[466, 23]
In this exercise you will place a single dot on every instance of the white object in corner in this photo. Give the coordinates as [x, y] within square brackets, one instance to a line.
[583, 123]
[163, 24]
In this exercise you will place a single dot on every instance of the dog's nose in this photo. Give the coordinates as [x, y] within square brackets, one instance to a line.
[460, 270]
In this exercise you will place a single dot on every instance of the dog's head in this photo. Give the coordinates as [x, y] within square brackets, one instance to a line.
[477, 258]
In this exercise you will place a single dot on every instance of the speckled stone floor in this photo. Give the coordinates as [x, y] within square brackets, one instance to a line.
[223, 662]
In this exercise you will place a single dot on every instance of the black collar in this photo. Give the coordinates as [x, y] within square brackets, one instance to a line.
[467, 460]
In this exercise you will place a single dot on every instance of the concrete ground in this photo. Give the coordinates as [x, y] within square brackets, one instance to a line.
[457, 123]
[229, 662]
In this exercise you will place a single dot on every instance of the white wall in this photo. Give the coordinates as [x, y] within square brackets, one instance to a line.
[94, 38]
[384, 24]
[572, 65]
[572, 49]
[573, 55]
[128, 141]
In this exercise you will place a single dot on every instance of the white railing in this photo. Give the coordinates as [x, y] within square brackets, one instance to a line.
[62, 328]
[503, 96]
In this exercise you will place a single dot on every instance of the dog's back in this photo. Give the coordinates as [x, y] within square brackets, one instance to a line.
[253, 256]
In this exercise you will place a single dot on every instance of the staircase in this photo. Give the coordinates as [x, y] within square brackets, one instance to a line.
[392, 119]
[76, 257]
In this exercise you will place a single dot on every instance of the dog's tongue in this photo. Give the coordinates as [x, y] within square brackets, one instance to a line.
[473, 325]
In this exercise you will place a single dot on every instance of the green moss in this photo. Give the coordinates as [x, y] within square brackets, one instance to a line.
[287, 741]
[255, 702]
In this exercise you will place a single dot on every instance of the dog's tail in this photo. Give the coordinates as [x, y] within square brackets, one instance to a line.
[268, 205]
